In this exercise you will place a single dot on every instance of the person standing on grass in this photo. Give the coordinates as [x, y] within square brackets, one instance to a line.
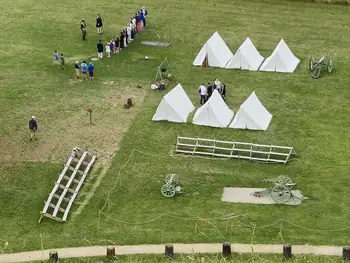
[138, 22]
[91, 71]
[108, 49]
[83, 29]
[33, 127]
[121, 40]
[62, 61]
[125, 38]
[77, 69]
[142, 17]
[116, 44]
[56, 59]
[100, 49]
[99, 24]
[133, 21]
[128, 31]
[209, 91]
[84, 69]
[145, 13]
[223, 91]
[202, 93]
[111, 46]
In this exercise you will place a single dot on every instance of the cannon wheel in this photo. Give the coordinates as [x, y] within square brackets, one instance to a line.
[317, 71]
[280, 193]
[312, 62]
[168, 190]
[175, 179]
[330, 65]
[282, 179]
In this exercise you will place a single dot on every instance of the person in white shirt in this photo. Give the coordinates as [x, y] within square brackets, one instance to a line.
[128, 32]
[202, 90]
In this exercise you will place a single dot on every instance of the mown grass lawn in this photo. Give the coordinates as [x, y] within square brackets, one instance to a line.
[310, 115]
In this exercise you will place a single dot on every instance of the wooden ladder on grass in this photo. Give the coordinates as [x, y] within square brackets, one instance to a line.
[66, 188]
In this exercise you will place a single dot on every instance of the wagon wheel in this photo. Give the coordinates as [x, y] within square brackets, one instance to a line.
[280, 193]
[282, 179]
[175, 178]
[168, 190]
[317, 71]
[312, 62]
[330, 65]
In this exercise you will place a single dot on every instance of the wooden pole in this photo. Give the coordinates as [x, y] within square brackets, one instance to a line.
[346, 253]
[90, 113]
[53, 256]
[226, 249]
[287, 251]
[110, 252]
[169, 250]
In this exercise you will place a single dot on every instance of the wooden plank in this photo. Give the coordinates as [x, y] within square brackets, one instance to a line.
[68, 184]
[58, 197]
[73, 153]
[65, 188]
[74, 180]
[51, 217]
[74, 169]
[77, 160]
[87, 169]
[54, 207]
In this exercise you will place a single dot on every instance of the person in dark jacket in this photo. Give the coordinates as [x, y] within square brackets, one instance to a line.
[83, 29]
[223, 91]
[33, 127]
[91, 69]
[99, 49]
[99, 24]
[121, 39]
[209, 90]
[117, 44]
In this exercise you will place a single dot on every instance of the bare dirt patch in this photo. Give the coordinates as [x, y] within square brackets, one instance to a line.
[57, 135]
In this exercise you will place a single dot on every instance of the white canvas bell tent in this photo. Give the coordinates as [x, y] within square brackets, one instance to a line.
[282, 59]
[214, 53]
[214, 112]
[246, 57]
[252, 115]
[175, 106]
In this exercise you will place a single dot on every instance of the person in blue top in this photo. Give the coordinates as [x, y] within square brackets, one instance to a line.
[84, 69]
[142, 18]
[33, 126]
[56, 58]
[91, 70]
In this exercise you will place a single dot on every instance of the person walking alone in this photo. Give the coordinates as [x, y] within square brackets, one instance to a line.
[100, 49]
[99, 24]
[33, 127]
[83, 29]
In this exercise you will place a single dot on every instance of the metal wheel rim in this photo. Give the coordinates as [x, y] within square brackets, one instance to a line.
[330, 65]
[175, 178]
[311, 63]
[282, 179]
[168, 190]
[280, 194]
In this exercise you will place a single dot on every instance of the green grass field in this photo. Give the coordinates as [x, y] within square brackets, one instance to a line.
[125, 206]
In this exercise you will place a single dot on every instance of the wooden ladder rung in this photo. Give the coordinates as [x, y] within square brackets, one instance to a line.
[77, 160]
[64, 198]
[64, 187]
[59, 209]
[74, 180]
[73, 169]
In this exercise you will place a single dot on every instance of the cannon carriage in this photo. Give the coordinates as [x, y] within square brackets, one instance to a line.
[280, 191]
[316, 66]
[171, 186]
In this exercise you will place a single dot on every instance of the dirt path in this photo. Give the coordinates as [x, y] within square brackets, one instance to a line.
[159, 249]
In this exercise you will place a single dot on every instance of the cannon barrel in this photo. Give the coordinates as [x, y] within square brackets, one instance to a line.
[321, 60]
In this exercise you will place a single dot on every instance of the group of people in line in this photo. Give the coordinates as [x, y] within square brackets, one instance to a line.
[205, 91]
[137, 23]
[83, 69]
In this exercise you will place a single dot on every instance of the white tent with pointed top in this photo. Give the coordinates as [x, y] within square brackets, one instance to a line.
[282, 59]
[246, 57]
[175, 106]
[215, 52]
[214, 112]
[252, 115]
